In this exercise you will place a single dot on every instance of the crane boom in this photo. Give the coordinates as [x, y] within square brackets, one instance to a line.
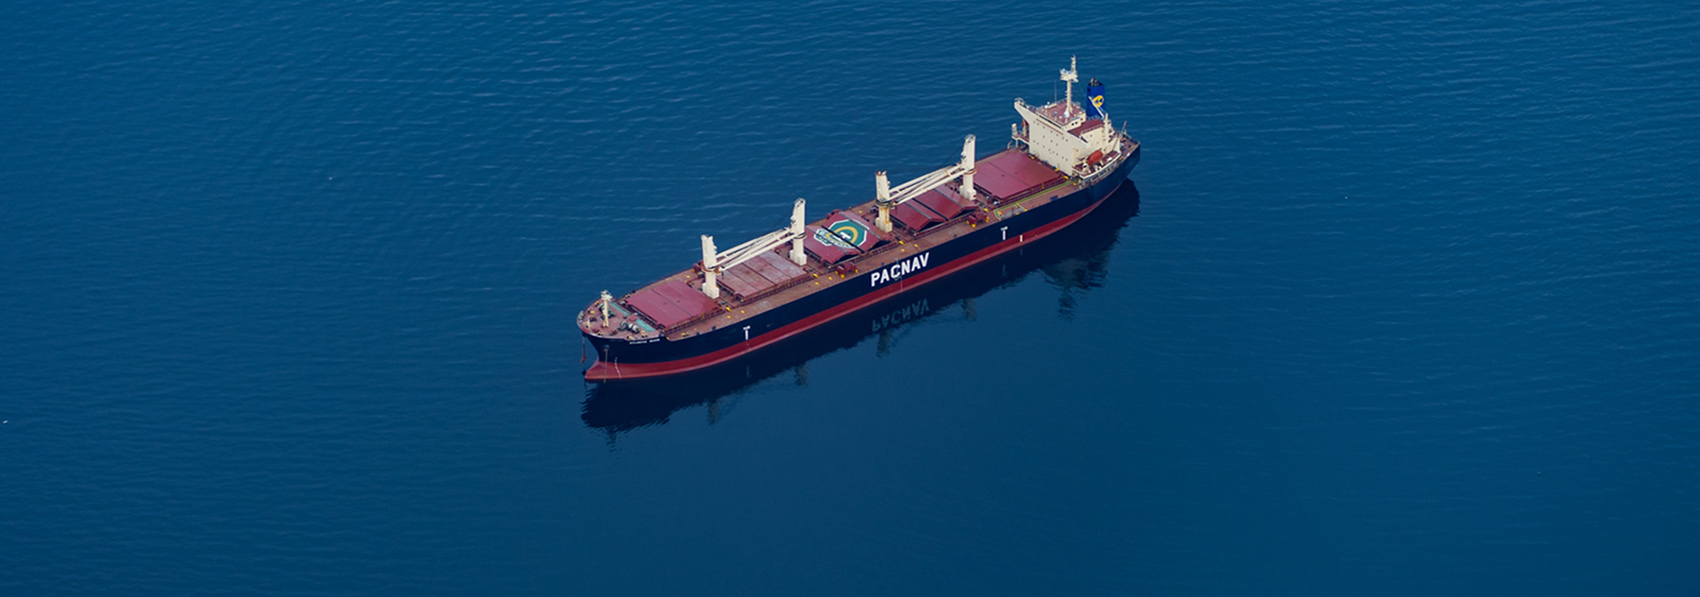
[717, 262]
[886, 197]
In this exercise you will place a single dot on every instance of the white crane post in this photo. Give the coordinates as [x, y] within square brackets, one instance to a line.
[968, 168]
[797, 255]
[709, 264]
[882, 199]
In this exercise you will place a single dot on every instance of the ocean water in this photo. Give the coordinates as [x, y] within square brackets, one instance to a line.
[1402, 300]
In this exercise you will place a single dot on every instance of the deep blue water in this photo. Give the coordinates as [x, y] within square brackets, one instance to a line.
[1404, 302]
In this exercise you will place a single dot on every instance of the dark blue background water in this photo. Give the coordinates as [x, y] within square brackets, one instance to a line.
[1408, 307]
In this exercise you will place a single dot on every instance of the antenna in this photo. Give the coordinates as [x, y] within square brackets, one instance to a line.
[1070, 76]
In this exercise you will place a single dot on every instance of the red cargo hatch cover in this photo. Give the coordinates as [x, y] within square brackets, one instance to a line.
[840, 235]
[826, 246]
[915, 217]
[742, 282]
[853, 229]
[759, 274]
[670, 303]
[1011, 173]
[944, 201]
[998, 183]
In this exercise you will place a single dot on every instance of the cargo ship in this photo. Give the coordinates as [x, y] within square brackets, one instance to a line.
[1061, 162]
[1073, 264]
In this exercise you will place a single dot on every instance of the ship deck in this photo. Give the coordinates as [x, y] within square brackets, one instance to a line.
[906, 244]
[1000, 196]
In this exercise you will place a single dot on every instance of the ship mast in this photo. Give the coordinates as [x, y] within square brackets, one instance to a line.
[1069, 76]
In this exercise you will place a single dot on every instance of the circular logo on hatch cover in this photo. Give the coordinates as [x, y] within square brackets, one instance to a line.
[851, 232]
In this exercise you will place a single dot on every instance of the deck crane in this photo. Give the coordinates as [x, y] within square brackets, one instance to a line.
[715, 263]
[887, 197]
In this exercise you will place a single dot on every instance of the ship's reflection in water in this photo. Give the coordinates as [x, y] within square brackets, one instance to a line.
[1074, 260]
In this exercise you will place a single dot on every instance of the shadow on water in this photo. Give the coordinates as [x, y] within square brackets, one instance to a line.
[1075, 260]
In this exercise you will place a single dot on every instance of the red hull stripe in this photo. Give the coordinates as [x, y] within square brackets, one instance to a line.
[603, 370]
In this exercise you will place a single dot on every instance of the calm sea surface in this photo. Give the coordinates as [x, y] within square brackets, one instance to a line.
[1404, 299]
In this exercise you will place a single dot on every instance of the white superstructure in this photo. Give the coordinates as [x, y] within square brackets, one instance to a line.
[1061, 135]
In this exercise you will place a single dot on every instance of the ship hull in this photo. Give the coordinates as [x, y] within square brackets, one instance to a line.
[618, 359]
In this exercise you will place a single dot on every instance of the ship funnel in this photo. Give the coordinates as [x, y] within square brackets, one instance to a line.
[1095, 100]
